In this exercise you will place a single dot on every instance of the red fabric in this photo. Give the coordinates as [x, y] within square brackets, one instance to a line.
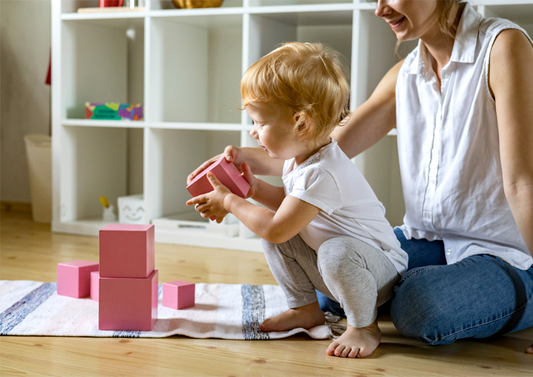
[48, 80]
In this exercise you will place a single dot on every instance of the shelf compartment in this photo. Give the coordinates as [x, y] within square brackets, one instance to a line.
[98, 161]
[268, 30]
[172, 156]
[196, 69]
[168, 5]
[283, 3]
[191, 223]
[102, 61]
[521, 14]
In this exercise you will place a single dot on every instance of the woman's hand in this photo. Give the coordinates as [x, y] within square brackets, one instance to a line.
[529, 349]
[231, 153]
[211, 205]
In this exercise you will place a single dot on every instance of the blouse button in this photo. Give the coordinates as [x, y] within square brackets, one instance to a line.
[449, 252]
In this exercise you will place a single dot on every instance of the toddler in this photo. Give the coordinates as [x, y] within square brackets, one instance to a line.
[296, 95]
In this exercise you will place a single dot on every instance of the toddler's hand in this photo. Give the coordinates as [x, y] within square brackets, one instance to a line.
[211, 205]
[250, 178]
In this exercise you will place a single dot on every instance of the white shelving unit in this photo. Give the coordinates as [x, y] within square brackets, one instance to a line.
[185, 67]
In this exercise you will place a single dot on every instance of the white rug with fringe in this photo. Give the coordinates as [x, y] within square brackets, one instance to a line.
[227, 311]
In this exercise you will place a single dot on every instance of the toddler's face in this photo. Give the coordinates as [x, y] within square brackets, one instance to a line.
[274, 130]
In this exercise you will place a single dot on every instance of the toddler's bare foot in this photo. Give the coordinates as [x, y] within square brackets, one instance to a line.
[356, 342]
[306, 316]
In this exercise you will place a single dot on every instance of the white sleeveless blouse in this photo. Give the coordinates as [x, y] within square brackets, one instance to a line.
[449, 149]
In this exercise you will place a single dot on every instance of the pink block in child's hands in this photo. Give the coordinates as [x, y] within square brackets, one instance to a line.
[178, 294]
[226, 173]
[128, 304]
[95, 285]
[74, 278]
[127, 250]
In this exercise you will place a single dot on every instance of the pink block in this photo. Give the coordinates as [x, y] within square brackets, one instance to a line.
[128, 304]
[74, 278]
[127, 251]
[178, 294]
[95, 285]
[227, 174]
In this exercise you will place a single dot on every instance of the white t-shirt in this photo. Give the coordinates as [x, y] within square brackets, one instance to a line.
[449, 149]
[348, 207]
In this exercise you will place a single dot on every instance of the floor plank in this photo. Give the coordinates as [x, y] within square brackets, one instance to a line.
[29, 251]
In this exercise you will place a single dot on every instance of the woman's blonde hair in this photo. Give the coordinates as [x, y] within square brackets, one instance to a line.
[308, 80]
[447, 27]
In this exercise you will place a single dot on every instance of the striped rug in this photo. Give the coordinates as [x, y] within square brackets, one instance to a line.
[227, 311]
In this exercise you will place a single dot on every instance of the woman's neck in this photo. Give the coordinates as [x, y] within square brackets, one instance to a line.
[440, 45]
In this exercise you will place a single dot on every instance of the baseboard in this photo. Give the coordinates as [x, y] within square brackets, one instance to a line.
[15, 206]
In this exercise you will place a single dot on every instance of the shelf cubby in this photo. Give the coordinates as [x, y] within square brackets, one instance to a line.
[98, 161]
[173, 155]
[102, 61]
[196, 69]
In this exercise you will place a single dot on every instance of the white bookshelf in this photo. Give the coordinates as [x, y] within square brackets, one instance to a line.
[185, 67]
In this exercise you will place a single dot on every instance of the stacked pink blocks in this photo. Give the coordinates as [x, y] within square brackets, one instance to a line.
[128, 282]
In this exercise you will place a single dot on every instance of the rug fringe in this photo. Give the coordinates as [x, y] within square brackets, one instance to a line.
[335, 329]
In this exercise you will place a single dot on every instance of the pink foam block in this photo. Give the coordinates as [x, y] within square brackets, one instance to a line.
[127, 250]
[95, 285]
[227, 174]
[178, 294]
[74, 278]
[128, 304]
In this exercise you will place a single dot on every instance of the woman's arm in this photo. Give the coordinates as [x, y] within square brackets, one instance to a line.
[371, 121]
[511, 82]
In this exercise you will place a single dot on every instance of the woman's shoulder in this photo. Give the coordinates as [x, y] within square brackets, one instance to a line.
[492, 26]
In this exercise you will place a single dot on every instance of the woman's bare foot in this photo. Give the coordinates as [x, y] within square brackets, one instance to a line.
[356, 342]
[306, 316]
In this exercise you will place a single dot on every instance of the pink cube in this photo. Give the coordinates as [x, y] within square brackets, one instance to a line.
[95, 285]
[178, 294]
[128, 304]
[227, 174]
[74, 278]
[127, 250]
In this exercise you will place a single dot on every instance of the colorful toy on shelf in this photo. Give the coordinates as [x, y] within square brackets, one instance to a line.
[178, 294]
[128, 283]
[127, 250]
[113, 111]
[74, 278]
[227, 173]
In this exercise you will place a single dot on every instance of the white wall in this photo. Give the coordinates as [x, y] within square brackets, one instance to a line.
[25, 27]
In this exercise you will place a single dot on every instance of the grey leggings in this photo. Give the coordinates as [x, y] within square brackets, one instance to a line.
[357, 275]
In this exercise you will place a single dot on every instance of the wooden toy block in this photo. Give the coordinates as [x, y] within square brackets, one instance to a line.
[95, 285]
[127, 250]
[178, 294]
[227, 174]
[128, 304]
[74, 278]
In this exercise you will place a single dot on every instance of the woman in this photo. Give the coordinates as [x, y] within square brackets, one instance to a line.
[463, 106]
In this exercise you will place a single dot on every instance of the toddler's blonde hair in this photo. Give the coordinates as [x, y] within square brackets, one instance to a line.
[307, 79]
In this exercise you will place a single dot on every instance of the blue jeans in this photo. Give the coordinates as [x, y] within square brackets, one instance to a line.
[478, 297]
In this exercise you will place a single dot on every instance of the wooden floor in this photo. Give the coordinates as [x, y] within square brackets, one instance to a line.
[29, 251]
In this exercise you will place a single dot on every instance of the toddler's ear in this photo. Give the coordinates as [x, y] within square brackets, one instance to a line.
[302, 124]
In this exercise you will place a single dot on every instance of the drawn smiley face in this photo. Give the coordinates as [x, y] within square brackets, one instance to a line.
[133, 213]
